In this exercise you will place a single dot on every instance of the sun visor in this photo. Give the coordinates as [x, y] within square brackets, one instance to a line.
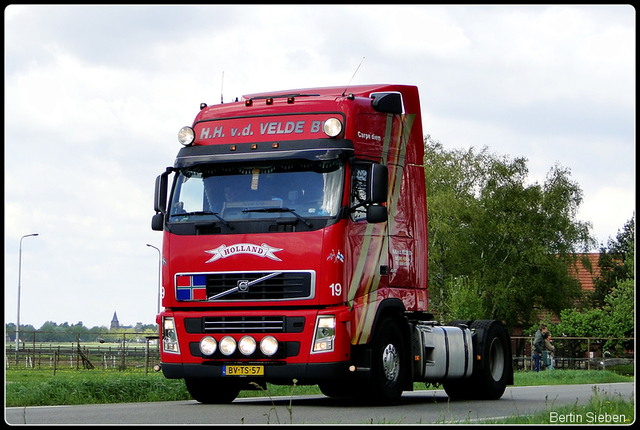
[317, 149]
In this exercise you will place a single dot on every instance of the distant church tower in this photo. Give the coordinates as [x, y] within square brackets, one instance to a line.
[114, 321]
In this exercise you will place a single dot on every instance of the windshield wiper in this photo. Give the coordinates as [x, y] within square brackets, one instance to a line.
[278, 210]
[215, 214]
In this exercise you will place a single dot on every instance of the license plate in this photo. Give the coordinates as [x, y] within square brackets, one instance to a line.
[243, 371]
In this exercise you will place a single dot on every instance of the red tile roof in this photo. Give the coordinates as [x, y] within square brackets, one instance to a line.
[583, 273]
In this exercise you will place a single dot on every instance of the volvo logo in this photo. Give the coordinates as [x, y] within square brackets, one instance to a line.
[243, 285]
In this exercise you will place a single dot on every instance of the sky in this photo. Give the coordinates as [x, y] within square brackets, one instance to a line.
[95, 96]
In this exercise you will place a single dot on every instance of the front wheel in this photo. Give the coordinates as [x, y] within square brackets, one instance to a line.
[212, 391]
[388, 365]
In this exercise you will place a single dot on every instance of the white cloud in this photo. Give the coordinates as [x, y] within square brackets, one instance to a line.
[609, 209]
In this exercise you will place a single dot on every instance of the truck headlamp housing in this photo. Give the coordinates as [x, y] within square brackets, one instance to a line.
[186, 136]
[170, 336]
[325, 333]
[332, 127]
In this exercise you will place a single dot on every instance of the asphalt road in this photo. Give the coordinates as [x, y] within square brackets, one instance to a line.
[419, 407]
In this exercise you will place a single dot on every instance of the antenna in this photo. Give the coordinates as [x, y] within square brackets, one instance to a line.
[221, 87]
[354, 75]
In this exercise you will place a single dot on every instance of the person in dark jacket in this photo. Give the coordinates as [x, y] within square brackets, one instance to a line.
[538, 347]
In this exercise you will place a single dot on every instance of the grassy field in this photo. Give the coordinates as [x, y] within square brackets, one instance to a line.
[74, 387]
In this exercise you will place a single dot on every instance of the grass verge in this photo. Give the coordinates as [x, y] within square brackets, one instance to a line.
[41, 388]
[602, 409]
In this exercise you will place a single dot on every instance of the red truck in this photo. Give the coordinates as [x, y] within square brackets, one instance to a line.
[295, 248]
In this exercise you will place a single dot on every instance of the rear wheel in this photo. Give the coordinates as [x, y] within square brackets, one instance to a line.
[212, 391]
[489, 382]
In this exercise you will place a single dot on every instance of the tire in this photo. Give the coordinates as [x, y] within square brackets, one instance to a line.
[490, 381]
[458, 323]
[334, 389]
[388, 365]
[212, 391]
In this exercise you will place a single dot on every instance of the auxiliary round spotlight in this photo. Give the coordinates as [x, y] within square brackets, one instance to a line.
[247, 345]
[332, 127]
[208, 345]
[186, 136]
[227, 345]
[269, 345]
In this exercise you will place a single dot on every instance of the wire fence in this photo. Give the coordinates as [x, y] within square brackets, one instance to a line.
[591, 353]
[141, 350]
[123, 351]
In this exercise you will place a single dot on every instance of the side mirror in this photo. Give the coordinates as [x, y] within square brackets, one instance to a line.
[157, 222]
[160, 198]
[376, 214]
[378, 184]
[390, 102]
[370, 184]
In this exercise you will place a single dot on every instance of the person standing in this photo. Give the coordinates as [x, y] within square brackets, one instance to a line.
[548, 346]
[538, 347]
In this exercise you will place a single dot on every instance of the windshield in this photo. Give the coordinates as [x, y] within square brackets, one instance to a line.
[282, 189]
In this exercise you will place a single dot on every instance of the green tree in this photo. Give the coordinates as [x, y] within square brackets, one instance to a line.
[612, 263]
[615, 318]
[513, 241]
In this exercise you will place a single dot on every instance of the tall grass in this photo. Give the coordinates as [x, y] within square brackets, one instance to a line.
[567, 377]
[109, 387]
[601, 409]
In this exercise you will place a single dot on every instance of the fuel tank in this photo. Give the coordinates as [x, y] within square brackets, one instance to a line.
[441, 352]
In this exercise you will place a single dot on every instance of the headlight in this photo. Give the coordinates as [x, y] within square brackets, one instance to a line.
[208, 345]
[332, 127]
[186, 136]
[227, 345]
[247, 345]
[170, 336]
[269, 345]
[325, 333]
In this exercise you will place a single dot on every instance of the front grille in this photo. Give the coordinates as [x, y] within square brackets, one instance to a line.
[244, 324]
[259, 286]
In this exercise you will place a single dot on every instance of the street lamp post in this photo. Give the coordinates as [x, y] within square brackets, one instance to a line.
[159, 273]
[19, 281]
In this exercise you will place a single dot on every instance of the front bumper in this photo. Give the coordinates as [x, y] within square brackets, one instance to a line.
[302, 372]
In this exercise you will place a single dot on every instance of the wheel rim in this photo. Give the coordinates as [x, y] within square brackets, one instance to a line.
[496, 359]
[390, 363]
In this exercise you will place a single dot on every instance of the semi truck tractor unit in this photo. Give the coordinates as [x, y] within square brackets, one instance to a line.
[295, 249]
